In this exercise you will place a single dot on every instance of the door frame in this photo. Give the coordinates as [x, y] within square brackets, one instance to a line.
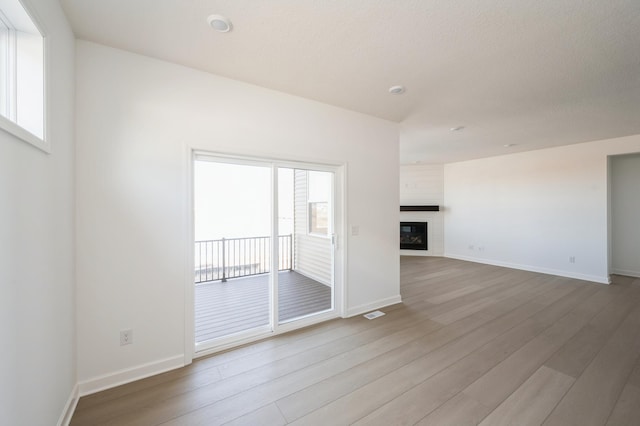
[339, 250]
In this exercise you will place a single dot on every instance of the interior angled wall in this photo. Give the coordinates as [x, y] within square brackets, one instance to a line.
[544, 210]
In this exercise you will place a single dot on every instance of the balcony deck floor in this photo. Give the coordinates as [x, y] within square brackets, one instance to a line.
[223, 308]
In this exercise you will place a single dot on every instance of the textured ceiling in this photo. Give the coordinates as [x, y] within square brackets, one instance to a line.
[531, 73]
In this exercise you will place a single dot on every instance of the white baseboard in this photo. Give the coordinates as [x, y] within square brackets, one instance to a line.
[568, 274]
[625, 272]
[128, 375]
[361, 309]
[69, 407]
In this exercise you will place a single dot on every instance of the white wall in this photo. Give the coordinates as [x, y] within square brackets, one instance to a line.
[423, 184]
[625, 214]
[37, 330]
[534, 210]
[135, 118]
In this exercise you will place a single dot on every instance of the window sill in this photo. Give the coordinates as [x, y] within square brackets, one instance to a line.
[24, 135]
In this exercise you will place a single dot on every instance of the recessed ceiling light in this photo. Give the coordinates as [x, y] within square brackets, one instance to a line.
[456, 129]
[396, 90]
[219, 23]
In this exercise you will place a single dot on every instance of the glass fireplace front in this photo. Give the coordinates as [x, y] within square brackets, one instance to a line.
[413, 235]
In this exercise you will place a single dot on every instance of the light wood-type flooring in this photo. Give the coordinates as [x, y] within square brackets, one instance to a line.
[471, 344]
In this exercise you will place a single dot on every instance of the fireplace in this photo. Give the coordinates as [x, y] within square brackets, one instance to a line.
[413, 235]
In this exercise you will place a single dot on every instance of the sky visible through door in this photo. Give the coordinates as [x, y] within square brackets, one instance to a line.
[230, 201]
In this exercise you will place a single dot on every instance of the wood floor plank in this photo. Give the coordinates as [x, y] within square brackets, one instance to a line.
[593, 396]
[202, 365]
[460, 410]
[315, 396]
[368, 399]
[388, 324]
[237, 394]
[477, 305]
[445, 297]
[495, 386]
[470, 343]
[103, 413]
[130, 410]
[578, 352]
[269, 415]
[283, 374]
[223, 410]
[134, 394]
[218, 411]
[419, 401]
[627, 409]
[532, 402]
[634, 377]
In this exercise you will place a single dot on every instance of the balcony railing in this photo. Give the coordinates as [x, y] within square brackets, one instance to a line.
[239, 257]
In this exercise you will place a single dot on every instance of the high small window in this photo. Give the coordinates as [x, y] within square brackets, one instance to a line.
[319, 194]
[22, 74]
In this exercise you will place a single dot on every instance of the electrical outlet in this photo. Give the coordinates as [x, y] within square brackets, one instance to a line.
[572, 259]
[126, 337]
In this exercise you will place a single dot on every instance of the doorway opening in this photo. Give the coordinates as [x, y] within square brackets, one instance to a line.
[264, 249]
[624, 210]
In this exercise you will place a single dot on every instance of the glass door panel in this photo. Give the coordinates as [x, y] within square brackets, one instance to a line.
[232, 218]
[305, 221]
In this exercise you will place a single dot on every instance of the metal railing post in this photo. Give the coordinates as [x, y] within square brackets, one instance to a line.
[224, 276]
[291, 252]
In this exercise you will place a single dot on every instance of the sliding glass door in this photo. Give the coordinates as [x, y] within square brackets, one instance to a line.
[263, 249]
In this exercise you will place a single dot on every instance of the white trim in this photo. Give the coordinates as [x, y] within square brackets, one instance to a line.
[307, 320]
[232, 340]
[11, 127]
[379, 304]
[341, 259]
[189, 274]
[204, 154]
[275, 252]
[24, 135]
[557, 272]
[609, 217]
[625, 272]
[129, 375]
[69, 407]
